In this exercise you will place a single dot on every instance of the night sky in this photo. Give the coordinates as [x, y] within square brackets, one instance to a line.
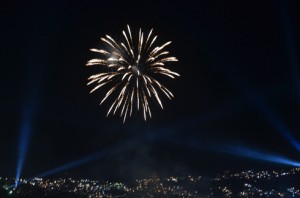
[239, 88]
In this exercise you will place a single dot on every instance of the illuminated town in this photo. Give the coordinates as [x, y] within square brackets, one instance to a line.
[249, 183]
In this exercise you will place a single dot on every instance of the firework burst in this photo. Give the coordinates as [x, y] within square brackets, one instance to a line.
[129, 68]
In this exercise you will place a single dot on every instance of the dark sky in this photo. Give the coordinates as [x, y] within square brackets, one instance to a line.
[239, 87]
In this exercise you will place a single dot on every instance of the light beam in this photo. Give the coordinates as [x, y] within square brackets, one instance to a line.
[25, 131]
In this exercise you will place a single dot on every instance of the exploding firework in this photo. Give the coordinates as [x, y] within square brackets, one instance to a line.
[129, 68]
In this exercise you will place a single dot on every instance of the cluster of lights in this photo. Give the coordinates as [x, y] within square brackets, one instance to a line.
[251, 174]
[240, 184]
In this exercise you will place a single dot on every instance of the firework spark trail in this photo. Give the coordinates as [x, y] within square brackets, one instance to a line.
[129, 68]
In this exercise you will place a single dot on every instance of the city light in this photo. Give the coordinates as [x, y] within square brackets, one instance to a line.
[248, 183]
